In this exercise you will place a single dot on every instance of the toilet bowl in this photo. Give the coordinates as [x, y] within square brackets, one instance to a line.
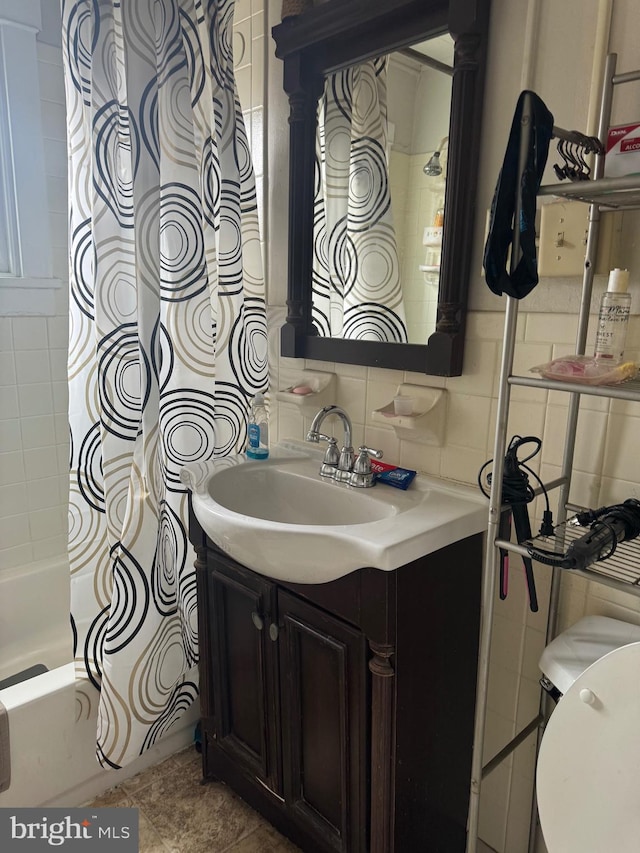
[588, 771]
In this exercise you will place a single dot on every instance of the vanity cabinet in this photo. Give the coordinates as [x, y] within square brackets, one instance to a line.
[343, 712]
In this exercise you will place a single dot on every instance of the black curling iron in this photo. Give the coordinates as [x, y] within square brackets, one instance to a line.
[609, 526]
[516, 494]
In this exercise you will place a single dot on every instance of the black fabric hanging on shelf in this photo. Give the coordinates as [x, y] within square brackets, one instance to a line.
[524, 275]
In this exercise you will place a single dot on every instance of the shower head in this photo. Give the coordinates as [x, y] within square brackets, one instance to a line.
[433, 168]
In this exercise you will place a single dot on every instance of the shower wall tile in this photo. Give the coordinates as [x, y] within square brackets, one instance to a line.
[39, 464]
[52, 547]
[10, 558]
[44, 493]
[58, 333]
[7, 369]
[35, 399]
[9, 402]
[10, 437]
[242, 10]
[14, 531]
[29, 333]
[33, 354]
[46, 523]
[60, 396]
[13, 499]
[32, 366]
[11, 468]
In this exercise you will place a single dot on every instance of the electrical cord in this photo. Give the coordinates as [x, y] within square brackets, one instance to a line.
[517, 493]
[515, 486]
[609, 526]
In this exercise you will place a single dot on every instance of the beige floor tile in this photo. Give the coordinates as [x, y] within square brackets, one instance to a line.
[195, 818]
[149, 840]
[178, 814]
[151, 774]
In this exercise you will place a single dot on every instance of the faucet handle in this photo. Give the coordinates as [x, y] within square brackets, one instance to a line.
[331, 458]
[365, 454]
[362, 476]
[345, 464]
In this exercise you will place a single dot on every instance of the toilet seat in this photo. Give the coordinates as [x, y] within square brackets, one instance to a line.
[588, 773]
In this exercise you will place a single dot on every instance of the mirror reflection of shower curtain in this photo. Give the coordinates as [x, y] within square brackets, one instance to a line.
[357, 291]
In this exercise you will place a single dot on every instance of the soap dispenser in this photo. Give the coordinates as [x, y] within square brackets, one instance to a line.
[258, 429]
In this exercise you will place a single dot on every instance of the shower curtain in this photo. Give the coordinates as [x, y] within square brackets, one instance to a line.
[167, 336]
[357, 291]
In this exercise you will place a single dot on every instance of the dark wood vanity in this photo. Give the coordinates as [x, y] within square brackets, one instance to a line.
[343, 712]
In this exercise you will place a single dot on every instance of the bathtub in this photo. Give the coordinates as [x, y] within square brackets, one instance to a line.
[52, 716]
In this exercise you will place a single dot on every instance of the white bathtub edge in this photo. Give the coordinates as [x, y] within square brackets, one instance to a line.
[103, 780]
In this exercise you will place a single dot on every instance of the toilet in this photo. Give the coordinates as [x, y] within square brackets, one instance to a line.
[588, 771]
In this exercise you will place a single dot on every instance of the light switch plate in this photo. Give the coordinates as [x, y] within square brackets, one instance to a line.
[563, 238]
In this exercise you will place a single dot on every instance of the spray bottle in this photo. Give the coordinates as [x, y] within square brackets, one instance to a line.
[613, 319]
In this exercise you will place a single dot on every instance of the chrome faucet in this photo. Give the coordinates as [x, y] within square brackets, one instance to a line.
[335, 466]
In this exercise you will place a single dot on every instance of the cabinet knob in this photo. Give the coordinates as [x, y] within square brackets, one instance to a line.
[257, 620]
[273, 631]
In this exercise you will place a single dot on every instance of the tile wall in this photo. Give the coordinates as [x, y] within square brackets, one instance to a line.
[34, 443]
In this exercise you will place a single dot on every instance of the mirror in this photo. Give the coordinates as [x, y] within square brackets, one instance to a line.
[333, 36]
[380, 178]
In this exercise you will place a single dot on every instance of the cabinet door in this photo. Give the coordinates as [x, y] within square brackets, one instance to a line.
[245, 671]
[324, 711]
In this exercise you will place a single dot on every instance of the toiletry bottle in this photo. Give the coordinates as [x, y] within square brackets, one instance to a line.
[613, 318]
[258, 446]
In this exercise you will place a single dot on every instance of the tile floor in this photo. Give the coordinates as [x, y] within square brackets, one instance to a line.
[179, 814]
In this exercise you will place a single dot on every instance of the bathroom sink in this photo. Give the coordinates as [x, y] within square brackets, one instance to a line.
[280, 518]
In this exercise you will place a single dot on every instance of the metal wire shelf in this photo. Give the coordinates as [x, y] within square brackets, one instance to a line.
[623, 566]
[609, 193]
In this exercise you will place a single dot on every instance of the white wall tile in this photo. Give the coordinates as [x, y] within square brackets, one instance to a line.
[36, 399]
[461, 463]
[18, 556]
[29, 333]
[60, 392]
[53, 546]
[61, 428]
[11, 468]
[9, 402]
[47, 523]
[468, 420]
[32, 366]
[7, 369]
[14, 531]
[242, 10]
[479, 367]
[352, 396]
[384, 440]
[13, 500]
[58, 332]
[10, 436]
[6, 335]
[39, 464]
[43, 493]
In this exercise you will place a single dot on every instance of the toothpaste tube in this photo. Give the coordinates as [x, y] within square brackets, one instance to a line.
[401, 478]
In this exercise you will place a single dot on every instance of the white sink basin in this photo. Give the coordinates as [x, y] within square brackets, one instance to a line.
[280, 518]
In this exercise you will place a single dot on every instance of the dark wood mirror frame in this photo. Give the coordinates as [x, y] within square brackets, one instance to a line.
[334, 35]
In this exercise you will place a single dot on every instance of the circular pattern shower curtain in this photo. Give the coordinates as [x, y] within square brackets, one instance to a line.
[167, 336]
